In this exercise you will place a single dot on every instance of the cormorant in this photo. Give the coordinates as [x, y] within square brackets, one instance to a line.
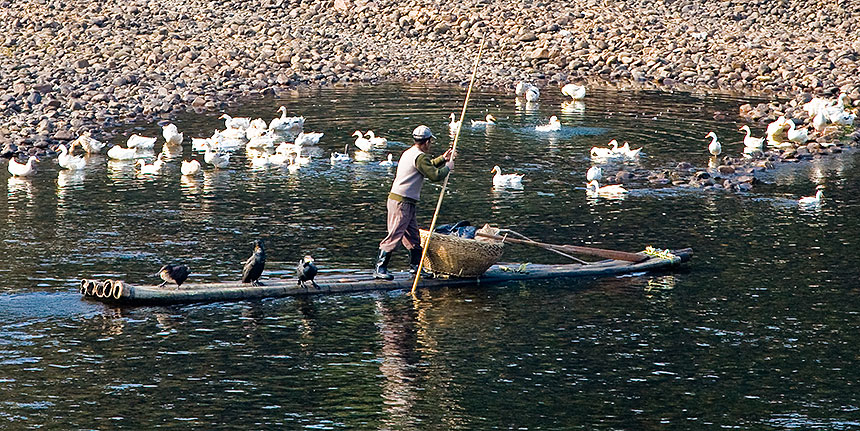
[307, 271]
[255, 264]
[173, 274]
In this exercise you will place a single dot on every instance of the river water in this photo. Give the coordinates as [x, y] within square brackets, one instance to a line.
[758, 331]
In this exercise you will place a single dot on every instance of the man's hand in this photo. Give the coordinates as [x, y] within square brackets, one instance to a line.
[450, 154]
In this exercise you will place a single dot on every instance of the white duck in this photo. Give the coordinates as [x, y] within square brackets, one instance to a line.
[594, 173]
[532, 94]
[241, 123]
[775, 130]
[506, 180]
[293, 166]
[141, 142]
[812, 200]
[390, 162]
[521, 88]
[256, 128]
[199, 144]
[489, 120]
[90, 145]
[260, 161]
[376, 141]
[605, 153]
[626, 152]
[119, 153]
[190, 168]
[819, 121]
[593, 189]
[67, 161]
[835, 111]
[815, 105]
[340, 157]
[279, 124]
[714, 147]
[280, 158]
[797, 135]
[299, 159]
[361, 142]
[553, 125]
[287, 148]
[576, 92]
[845, 119]
[263, 142]
[218, 159]
[309, 139]
[750, 142]
[287, 126]
[171, 134]
[454, 124]
[22, 169]
[152, 168]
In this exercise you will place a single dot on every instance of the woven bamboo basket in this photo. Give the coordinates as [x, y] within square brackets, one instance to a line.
[459, 257]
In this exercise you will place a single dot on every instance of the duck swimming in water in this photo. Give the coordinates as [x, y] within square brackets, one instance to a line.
[376, 141]
[90, 145]
[593, 189]
[812, 200]
[506, 180]
[389, 162]
[141, 142]
[554, 125]
[361, 142]
[576, 92]
[240, 123]
[489, 120]
[67, 161]
[217, 158]
[22, 169]
[340, 157]
[119, 153]
[190, 168]
[594, 173]
[171, 135]
[454, 124]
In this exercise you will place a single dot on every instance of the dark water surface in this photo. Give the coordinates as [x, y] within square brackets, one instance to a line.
[759, 331]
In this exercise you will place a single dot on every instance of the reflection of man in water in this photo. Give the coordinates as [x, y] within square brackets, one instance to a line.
[399, 358]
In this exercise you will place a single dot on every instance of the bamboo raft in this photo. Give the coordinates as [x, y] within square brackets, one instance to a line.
[117, 291]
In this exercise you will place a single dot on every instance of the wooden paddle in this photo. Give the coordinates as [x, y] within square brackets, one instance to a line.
[591, 251]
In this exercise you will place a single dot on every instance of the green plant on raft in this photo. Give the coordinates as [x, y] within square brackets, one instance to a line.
[662, 254]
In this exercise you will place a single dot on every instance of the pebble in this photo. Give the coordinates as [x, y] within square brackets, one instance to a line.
[123, 61]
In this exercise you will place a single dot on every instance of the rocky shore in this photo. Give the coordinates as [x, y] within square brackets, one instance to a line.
[69, 67]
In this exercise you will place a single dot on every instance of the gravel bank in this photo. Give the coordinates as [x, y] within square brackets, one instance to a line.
[66, 67]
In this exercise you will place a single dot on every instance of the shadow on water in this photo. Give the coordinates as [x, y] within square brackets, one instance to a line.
[758, 331]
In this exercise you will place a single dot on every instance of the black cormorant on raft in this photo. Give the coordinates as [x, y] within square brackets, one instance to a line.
[121, 292]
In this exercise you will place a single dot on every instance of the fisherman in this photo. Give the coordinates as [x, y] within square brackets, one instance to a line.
[414, 166]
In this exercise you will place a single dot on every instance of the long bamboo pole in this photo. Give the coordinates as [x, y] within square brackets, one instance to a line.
[601, 252]
[445, 182]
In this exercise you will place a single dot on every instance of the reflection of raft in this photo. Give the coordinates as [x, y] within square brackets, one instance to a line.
[120, 292]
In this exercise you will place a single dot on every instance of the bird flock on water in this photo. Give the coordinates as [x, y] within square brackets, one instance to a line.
[283, 142]
[784, 133]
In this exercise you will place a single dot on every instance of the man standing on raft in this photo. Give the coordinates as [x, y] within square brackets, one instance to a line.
[413, 167]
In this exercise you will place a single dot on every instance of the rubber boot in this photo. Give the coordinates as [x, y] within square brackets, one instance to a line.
[415, 260]
[381, 269]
